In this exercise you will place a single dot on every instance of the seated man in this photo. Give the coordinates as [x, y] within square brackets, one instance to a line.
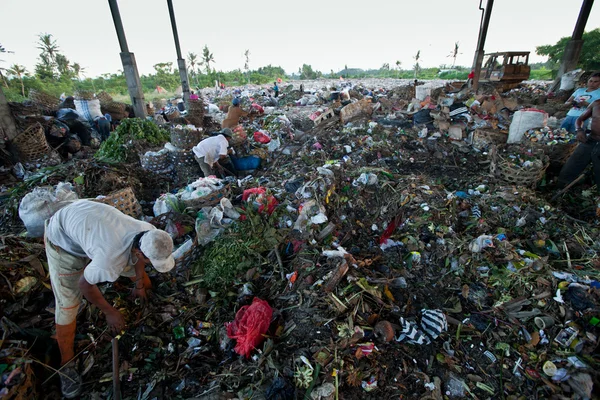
[88, 243]
[580, 100]
[587, 151]
[213, 152]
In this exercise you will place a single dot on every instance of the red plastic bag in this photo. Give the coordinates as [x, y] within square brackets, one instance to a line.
[261, 137]
[257, 196]
[258, 108]
[250, 324]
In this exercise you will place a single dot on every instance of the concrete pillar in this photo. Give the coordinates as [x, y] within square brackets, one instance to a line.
[480, 52]
[8, 129]
[134, 85]
[185, 86]
[129, 65]
[573, 48]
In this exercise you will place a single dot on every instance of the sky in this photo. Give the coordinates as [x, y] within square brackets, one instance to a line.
[325, 34]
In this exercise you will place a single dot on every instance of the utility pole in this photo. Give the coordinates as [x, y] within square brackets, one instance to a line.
[483, 28]
[185, 87]
[573, 48]
[8, 129]
[129, 65]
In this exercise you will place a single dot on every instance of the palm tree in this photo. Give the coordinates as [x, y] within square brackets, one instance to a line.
[18, 71]
[247, 64]
[207, 58]
[3, 50]
[47, 45]
[62, 65]
[78, 70]
[398, 63]
[193, 61]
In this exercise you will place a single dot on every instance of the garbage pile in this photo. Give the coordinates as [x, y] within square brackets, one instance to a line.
[379, 250]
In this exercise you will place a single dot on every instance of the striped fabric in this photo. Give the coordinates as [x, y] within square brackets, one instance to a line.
[89, 109]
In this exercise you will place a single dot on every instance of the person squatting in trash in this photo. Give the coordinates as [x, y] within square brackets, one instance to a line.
[234, 114]
[88, 243]
[580, 100]
[212, 154]
[587, 151]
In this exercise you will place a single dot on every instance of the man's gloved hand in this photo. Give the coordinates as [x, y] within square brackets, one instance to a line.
[115, 321]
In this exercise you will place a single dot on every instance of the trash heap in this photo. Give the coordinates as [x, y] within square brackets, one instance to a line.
[374, 253]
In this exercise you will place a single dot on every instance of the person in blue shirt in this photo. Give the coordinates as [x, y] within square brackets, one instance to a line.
[580, 100]
[276, 89]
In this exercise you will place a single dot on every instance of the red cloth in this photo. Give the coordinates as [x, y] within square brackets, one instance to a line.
[250, 324]
[471, 75]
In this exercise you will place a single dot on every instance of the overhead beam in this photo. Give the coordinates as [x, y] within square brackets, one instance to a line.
[185, 86]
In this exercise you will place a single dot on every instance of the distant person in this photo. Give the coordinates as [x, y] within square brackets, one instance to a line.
[301, 88]
[234, 114]
[193, 96]
[276, 89]
[580, 100]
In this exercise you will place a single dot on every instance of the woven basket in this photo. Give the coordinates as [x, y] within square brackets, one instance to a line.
[558, 153]
[155, 161]
[185, 138]
[172, 113]
[31, 143]
[104, 97]
[116, 110]
[44, 100]
[84, 95]
[194, 252]
[196, 112]
[502, 167]
[123, 200]
[208, 200]
[187, 173]
[182, 157]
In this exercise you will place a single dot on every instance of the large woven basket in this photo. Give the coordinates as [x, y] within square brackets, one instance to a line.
[44, 100]
[155, 161]
[187, 173]
[116, 110]
[185, 138]
[84, 94]
[194, 252]
[208, 200]
[558, 153]
[31, 143]
[123, 200]
[503, 168]
[104, 97]
[196, 112]
[172, 113]
[182, 157]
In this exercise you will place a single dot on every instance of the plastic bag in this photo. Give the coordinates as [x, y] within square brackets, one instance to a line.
[165, 203]
[525, 120]
[250, 324]
[42, 203]
[261, 137]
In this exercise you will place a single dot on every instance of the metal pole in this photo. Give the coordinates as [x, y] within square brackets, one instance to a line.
[185, 87]
[132, 77]
[481, 43]
[116, 16]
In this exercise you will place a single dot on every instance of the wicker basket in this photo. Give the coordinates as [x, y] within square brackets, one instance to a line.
[502, 167]
[172, 113]
[116, 110]
[194, 252]
[159, 103]
[208, 200]
[155, 161]
[104, 97]
[182, 157]
[84, 95]
[31, 143]
[557, 153]
[44, 100]
[123, 200]
[196, 112]
[185, 138]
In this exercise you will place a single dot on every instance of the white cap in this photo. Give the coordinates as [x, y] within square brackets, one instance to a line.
[157, 245]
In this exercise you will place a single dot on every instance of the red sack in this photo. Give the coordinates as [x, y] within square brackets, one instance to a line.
[250, 324]
[257, 197]
[261, 137]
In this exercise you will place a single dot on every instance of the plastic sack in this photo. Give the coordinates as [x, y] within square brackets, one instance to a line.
[165, 203]
[250, 324]
[524, 120]
[184, 248]
[42, 203]
[256, 196]
[569, 79]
